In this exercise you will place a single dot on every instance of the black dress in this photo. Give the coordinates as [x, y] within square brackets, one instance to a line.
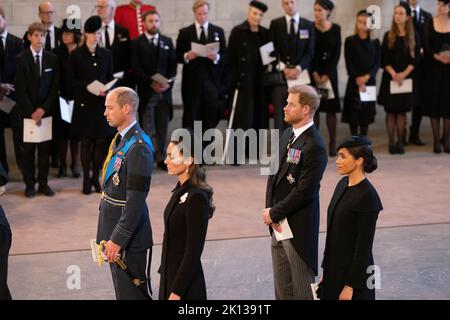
[325, 62]
[399, 58]
[362, 56]
[437, 77]
[352, 217]
[185, 225]
[245, 70]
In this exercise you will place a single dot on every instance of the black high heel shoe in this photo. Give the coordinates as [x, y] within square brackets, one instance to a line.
[87, 186]
[96, 185]
[437, 148]
[75, 172]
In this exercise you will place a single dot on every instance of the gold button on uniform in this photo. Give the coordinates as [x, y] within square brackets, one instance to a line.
[95, 64]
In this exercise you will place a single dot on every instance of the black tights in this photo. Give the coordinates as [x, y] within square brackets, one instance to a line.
[331, 125]
[445, 140]
[93, 153]
[363, 130]
[396, 123]
[74, 152]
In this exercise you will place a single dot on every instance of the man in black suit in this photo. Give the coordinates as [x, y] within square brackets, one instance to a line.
[201, 85]
[10, 47]
[115, 38]
[420, 18]
[124, 221]
[5, 245]
[37, 84]
[293, 194]
[154, 53]
[294, 41]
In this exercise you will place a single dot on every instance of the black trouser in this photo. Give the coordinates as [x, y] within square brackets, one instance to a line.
[16, 126]
[279, 97]
[138, 265]
[29, 175]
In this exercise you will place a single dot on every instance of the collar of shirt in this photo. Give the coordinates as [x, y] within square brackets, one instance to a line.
[152, 37]
[4, 35]
[125, 131]
[205, 27]
[296, 17]
[300, 130]
[111, 28]
[36, 53]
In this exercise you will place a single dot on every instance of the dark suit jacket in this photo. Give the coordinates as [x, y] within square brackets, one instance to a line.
[34, 92]
[129, 226]
[5, 244]
[146, 62]
[185, 227]
[420, 24]
[351, 230]
[299, 201]
[196, 70]
[57, 35]
[83, 68]
[120, 49]
[304, 42]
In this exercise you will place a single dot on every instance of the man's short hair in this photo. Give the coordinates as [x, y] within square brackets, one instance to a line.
[150, 13]
[125, 95]
[2, 12]
[200, 3]
[307, 95]
[36, 26]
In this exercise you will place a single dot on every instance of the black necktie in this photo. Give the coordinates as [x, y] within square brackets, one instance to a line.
[2, 53]
[48, 43]
[202, 35]
[291, 140]
[107, 42]
[292, 43]
[119, 137]
[292, 29]
[37, 64]
[152, 42]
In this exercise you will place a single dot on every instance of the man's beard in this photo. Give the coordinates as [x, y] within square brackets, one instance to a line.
[153, 31]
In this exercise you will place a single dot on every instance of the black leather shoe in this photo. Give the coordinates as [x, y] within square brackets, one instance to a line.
[416, 141]
[62, 173]
[400, 148]
[87, 186]
[437, 149]
[30, 192]
[46, 190]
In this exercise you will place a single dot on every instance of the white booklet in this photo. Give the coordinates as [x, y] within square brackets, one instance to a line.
[204, 50]
[286, 232]
[37, 134]
[161, 79]
[327, 85]
[370, 95]
[66, 108]
[265, 52]
[119, 75]
[96, 86]
[6, 104]
[302, 79]
[314, 287]
[405, 87]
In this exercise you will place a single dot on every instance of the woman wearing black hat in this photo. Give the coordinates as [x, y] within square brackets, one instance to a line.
[400, 56]
[87, 64]
[245, 70]
[71, 36]
[185, 225]
[362, 58]
[352, 217]
[324, 67]
[437, 64]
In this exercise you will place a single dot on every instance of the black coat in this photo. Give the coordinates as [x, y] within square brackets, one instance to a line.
[304, 42]
[362, 56]
[129, 225]
[14, 46]
[146, 62]
[185, 227]
[299, 201]
[34, 92]
[83, 68]
[352, 217]
[120, 49]
[201, 69]
[57, 35]
[5, 245]
[245, 72]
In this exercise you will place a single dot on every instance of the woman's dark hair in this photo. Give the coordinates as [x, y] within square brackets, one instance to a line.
[361, 147]
[197, 173]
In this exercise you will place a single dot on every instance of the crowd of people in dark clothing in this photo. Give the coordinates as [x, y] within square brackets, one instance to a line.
[125, 43]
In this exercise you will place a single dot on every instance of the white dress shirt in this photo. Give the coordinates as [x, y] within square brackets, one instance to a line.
[51, 32]
[111, 29]
[40, 53]
[3, 36]
[288, 21]
[300, 130]
[152, 38]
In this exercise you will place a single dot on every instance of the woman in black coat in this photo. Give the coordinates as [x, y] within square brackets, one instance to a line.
[400, 56]
[185, 225]
[362, 59]
[352, 216]
[71, 36]
[87, 64]
[324, 67]
[245, 70]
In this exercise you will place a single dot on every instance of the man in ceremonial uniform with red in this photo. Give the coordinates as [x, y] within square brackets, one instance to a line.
[129, 16]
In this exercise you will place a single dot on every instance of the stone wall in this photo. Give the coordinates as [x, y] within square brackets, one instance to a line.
[226, 13]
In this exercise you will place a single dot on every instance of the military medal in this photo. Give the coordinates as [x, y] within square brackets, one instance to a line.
[291, 179]
[293, 156]
[117, 164]
[116, 179]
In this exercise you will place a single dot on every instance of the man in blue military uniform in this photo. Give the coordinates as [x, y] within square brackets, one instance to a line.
[124, 220]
